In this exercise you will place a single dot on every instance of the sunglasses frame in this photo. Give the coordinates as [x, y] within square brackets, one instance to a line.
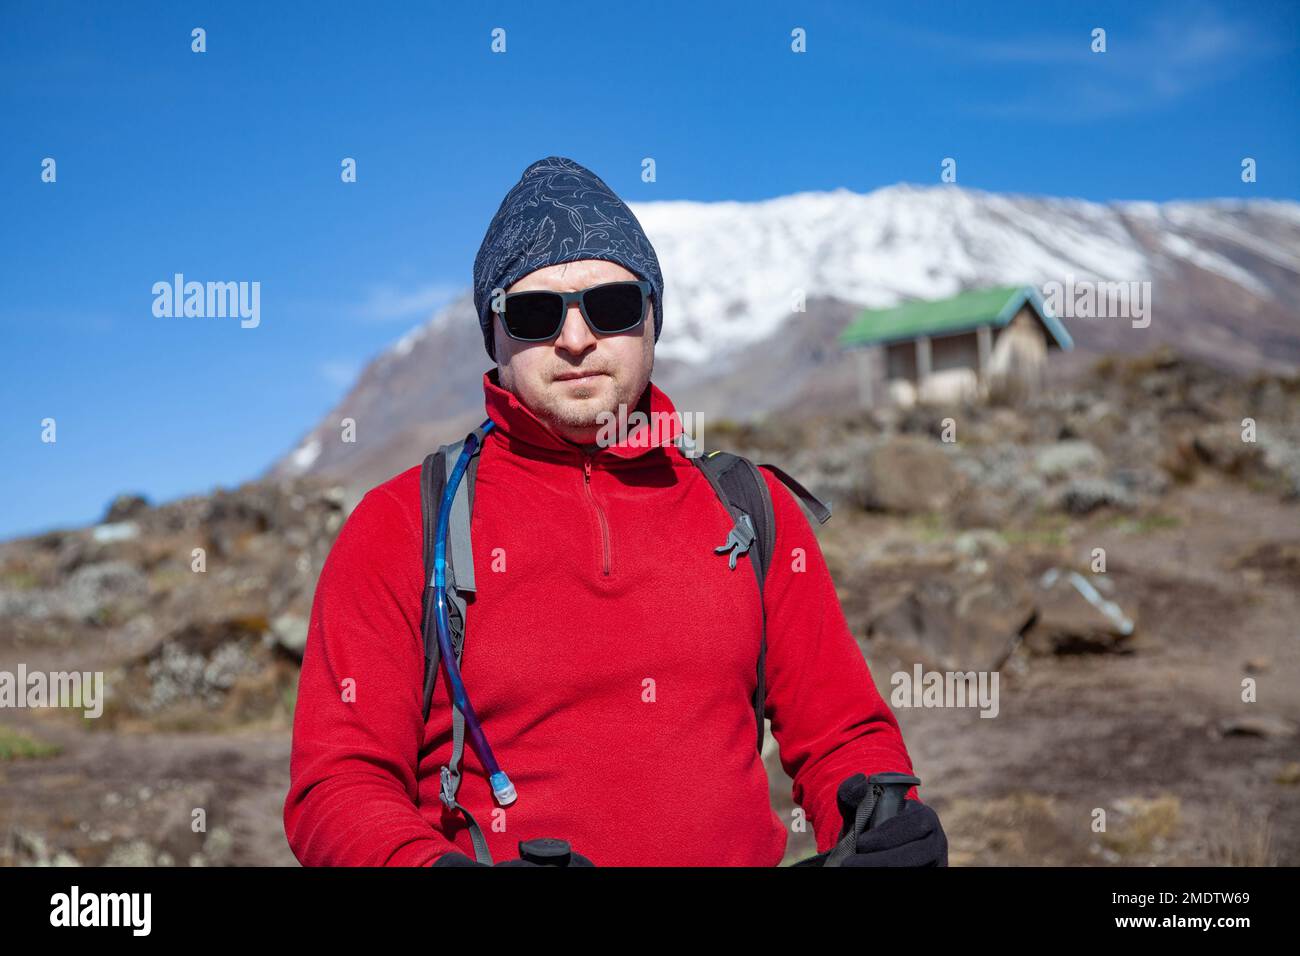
[568, 298]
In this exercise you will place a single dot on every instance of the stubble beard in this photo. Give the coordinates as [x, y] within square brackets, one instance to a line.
[582, 408]
[585, 408]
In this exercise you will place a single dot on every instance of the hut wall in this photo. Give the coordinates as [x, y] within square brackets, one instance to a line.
[1017, 366]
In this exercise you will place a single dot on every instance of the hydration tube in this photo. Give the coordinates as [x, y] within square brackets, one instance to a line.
[502, 788]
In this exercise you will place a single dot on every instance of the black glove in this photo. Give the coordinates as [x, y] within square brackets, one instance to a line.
[544, 852]
[912, 838]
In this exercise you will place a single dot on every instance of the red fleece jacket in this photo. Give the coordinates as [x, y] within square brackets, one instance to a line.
[610, 657]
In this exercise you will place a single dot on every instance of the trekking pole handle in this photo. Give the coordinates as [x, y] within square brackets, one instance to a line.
[893, 788]
[545, 851]
[882, 801]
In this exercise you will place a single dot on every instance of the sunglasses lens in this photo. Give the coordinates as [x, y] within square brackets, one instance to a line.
[533, 316]
[538, 316]
[616, 307]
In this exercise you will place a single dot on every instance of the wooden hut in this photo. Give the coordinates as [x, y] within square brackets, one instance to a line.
[979, 344]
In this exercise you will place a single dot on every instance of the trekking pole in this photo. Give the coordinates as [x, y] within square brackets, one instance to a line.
[545, 851]
[883, 801]
[893, 787]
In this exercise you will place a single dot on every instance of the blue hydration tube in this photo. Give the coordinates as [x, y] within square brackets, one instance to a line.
[502, 788]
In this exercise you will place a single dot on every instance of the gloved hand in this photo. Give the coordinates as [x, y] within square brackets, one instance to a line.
[912, 838]
[542, 852]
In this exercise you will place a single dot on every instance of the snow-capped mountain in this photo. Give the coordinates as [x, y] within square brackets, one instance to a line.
[732, 268]
[1224, 274]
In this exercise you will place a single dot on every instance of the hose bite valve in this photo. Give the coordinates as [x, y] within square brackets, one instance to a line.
[502, 788]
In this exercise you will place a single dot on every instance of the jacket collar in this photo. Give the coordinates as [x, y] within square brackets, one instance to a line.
[518, 423]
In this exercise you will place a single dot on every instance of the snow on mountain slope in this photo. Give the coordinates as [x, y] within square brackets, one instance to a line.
[732, 269]
[1225, 280]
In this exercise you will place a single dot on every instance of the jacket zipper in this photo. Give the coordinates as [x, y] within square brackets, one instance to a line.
[604, 527]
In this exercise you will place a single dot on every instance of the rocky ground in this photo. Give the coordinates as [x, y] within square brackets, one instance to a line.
[964, 539]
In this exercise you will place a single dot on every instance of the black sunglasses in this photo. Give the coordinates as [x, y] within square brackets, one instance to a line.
[538, 314]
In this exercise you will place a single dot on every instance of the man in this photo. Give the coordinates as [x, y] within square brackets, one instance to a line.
[611, 652]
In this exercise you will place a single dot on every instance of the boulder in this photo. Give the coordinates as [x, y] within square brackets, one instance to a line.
[906, 475]
[95, 587]
[124, 507]
[958, 624]
[1083, 496]
[1221, 447]
[1069, 459]
[1073, 618]
[290, 631]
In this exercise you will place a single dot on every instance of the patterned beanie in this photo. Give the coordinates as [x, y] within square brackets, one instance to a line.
[560, 211]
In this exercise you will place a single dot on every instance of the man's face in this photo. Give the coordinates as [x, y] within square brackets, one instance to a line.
[619, 365]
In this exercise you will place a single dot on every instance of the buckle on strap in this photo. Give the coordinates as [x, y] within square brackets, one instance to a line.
[446, 788]
[738, 541]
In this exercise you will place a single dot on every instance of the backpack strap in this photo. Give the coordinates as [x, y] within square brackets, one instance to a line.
[820, 509]
[744, 493]
[432, 482]
[459, 558]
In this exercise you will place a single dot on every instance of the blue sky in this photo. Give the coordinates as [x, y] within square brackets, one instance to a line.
[225, 166]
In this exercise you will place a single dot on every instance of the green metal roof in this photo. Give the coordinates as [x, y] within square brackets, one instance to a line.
[961, 313]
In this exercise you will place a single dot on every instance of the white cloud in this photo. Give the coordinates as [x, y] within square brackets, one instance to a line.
[1143, 69]
[390, 303]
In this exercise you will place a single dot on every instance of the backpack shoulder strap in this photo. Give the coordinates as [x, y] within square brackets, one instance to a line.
[459, 555]
[433, 476]
[433, 481]
[744, 493]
